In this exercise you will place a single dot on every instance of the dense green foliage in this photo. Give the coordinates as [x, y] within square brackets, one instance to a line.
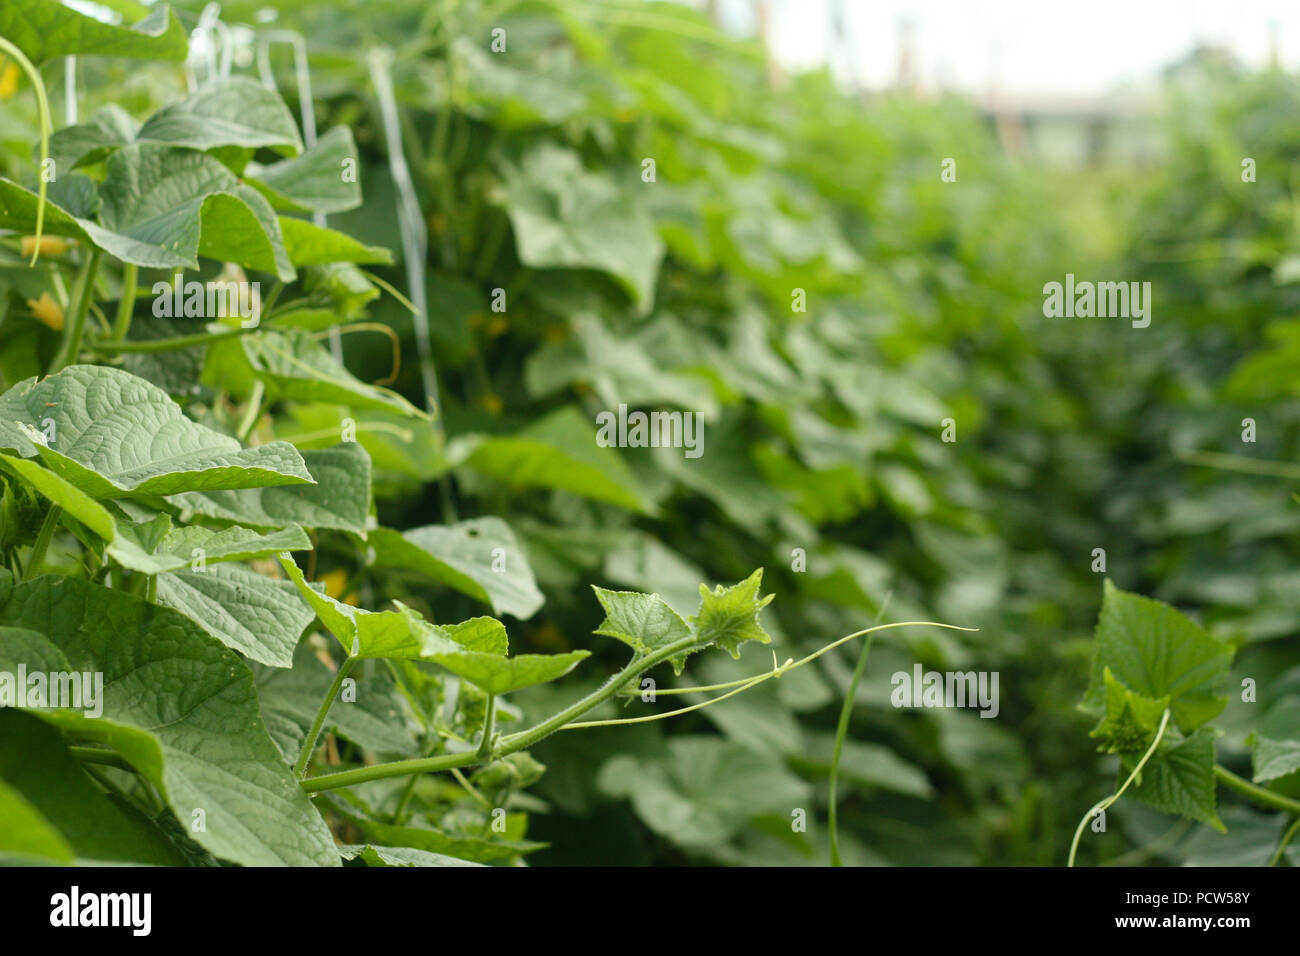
[792, 267]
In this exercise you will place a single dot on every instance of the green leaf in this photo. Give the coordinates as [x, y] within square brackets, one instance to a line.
[728, 616]
[404, 634]
[44, 29]
[290, 698]
[182, 547]
[644, 622]
[1131, 721]
[164, 206]
[62, 493]
[1179, 778]
[1156, 652]
[867, 765]
[559, 451]
[475, 849]
[181, 709]
[110, 128]
[479, 557]
[230, 111]
[704, 790]
[1275, 741]
[399, 856]
[311, 245]
[339, 500]
[248, 612]
[36, 765]
[314, 181]
[566, 217]
[295, 365]
[118, 435]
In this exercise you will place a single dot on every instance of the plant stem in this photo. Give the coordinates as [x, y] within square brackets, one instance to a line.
[1284, 842]
[489, 726]
[309, 745]
[98, 755]
[1261, 796]
[72, 340]
[43, 112]
[252, 414]
[400, 768]
[42, 542]
[126, 304]
[1099, 807]
[841, 731]
[169, 345]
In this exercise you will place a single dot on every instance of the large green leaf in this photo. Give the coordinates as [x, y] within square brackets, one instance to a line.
[181, 709]
[34, 762]
[63, 493]
[44, 29]
[295, 365]
[566, 217]
[479, 557]
[704, 790]
[164, 206]
[311, 245]
[399, 856]
[1156, 652]
[116, 435]
[559, 451]
[339, 500]
[249, 612]
[231, 111]
[314, 181]
[196, 545]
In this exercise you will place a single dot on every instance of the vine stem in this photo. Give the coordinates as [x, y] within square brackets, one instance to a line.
[1284, 842]
[42, 542]
[47, 128]
[168, 345]
[1099, 807]
[841, 731]
[126, 304]
[72, 342]
[560, 720]
[1261, 796]
[252, 413]
[309, 744]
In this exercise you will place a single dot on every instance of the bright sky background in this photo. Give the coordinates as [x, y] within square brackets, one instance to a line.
[1031, 46]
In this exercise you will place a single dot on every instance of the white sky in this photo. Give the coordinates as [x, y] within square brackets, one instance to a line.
[1031, 46]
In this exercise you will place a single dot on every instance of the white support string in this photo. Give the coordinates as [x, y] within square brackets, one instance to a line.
[415, 235]
[70, 91]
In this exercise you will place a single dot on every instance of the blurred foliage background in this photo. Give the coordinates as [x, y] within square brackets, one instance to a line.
[924, 302]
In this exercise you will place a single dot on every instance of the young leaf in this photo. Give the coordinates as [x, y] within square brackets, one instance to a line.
[644, 622]
[312, 182]
[1179, 778]
[729, 616]
[117, 435]
[311, 245]
[1156, 652]
[181, 709]
[1275, 741]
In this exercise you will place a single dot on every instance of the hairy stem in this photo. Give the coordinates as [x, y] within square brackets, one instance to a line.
[309, 744]
[489, 727]
[126, 304]
[169, 345]
[72, 337]
[1263, 797]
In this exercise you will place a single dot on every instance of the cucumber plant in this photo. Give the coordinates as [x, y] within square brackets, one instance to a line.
[152, 544]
